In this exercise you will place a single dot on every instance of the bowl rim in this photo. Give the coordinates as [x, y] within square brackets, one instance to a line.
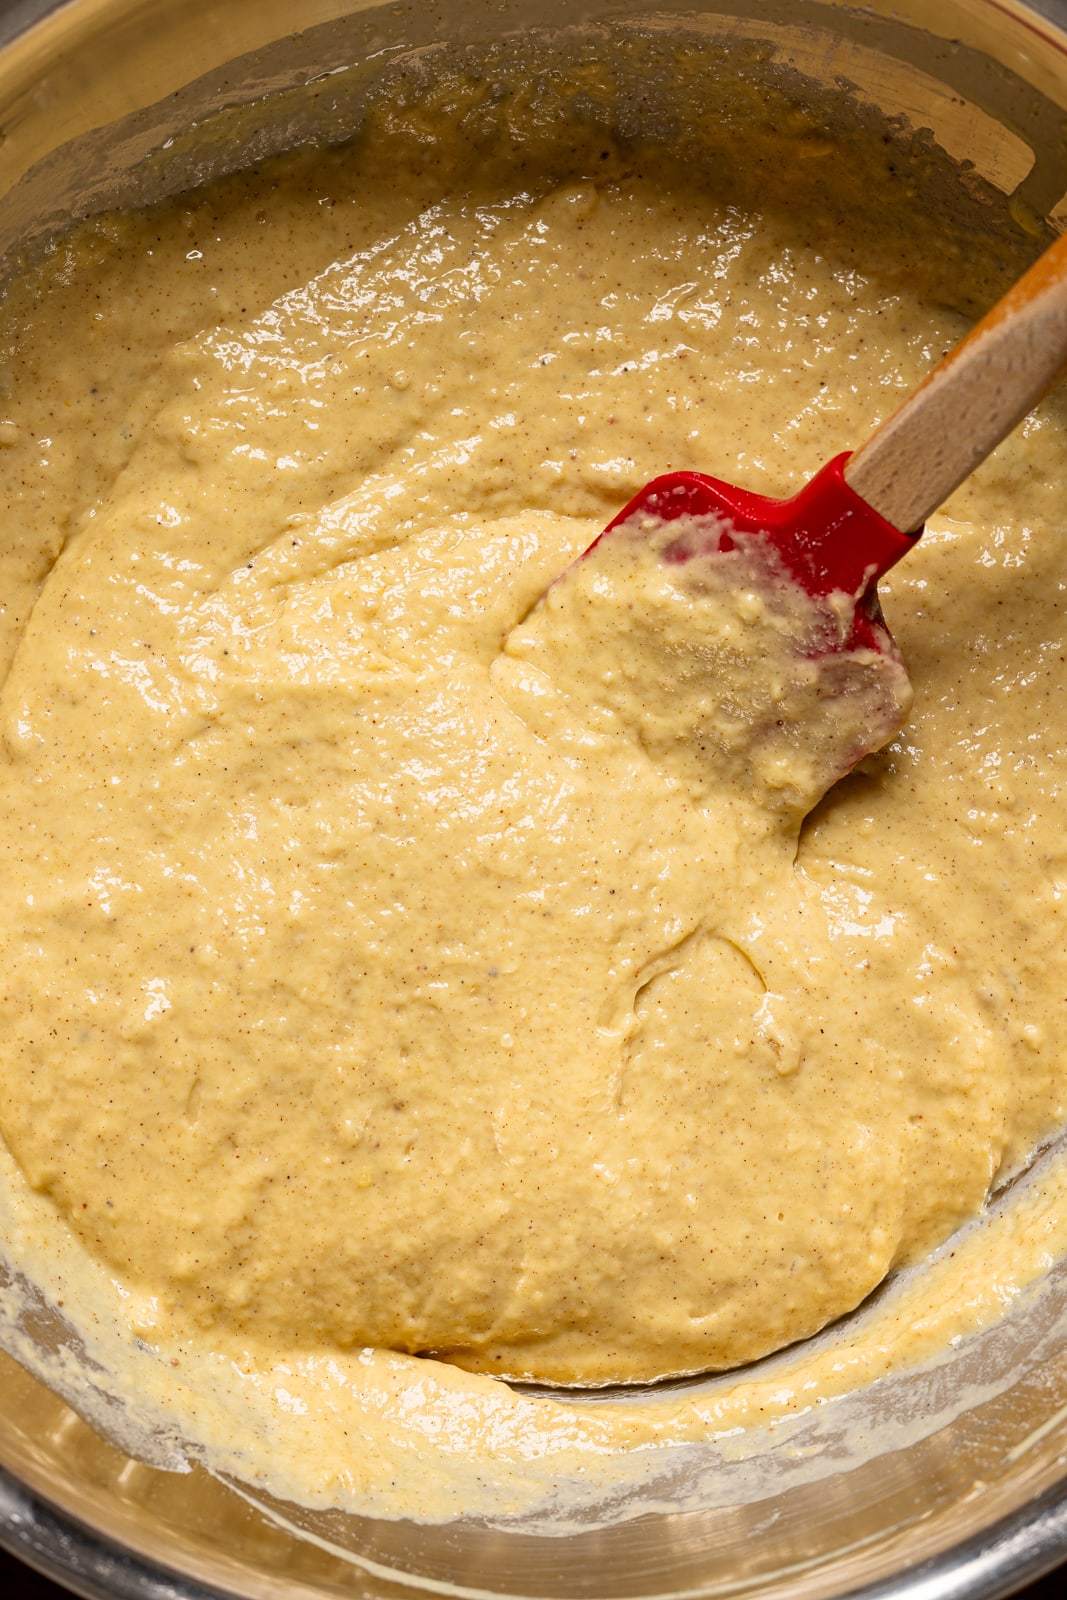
[1015, 1550]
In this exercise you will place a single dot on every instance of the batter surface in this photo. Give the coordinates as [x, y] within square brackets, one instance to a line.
[396, 958]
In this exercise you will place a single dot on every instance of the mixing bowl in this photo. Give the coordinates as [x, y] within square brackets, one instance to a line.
[951, 1481]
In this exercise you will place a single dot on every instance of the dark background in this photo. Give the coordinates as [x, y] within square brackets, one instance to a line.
[19, 1583]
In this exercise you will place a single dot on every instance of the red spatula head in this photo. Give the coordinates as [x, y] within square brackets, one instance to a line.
[798, 678]
[828, 538]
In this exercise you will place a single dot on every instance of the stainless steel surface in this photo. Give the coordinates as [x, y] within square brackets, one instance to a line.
[961, 1505]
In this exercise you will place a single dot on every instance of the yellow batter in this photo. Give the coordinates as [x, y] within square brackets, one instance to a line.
[393, 957]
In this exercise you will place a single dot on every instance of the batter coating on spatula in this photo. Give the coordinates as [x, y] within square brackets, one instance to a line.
[716, 664]
[394, 961]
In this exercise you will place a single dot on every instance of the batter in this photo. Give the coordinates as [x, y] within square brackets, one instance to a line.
[407, 951]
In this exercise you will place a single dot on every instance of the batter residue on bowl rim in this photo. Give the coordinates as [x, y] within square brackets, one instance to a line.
[400, 964]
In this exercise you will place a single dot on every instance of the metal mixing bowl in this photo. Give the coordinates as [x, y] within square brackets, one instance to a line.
[947, 1502]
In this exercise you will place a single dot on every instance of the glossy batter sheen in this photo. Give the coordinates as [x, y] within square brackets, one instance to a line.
[398, 955]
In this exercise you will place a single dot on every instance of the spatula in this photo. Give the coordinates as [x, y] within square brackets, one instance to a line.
[865, 510]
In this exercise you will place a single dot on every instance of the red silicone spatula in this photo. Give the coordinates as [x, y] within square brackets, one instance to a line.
[862, 512]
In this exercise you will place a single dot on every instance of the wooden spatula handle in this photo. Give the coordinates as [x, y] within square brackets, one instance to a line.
[977, 394]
